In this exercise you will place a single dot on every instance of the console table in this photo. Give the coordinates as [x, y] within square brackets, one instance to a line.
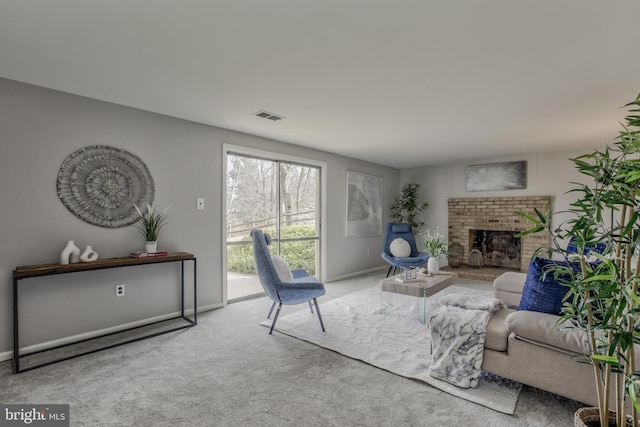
[29, 271]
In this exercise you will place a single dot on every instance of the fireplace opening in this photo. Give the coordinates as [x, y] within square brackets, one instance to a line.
[499, 248]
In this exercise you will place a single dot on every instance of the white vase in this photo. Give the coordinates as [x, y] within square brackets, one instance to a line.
[151, 247]
[433, 265]
[88, 255]
[70, 253]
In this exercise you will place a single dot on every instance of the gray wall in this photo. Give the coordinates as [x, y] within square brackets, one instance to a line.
[547, 174]
[39, 128]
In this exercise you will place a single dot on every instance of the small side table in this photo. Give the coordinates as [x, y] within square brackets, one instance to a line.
[422, 288]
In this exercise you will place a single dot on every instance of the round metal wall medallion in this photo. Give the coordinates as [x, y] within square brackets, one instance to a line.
[101, 184]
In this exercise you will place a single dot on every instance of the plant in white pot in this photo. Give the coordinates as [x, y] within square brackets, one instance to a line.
[435, 244]
[603, 298]
[149, 225]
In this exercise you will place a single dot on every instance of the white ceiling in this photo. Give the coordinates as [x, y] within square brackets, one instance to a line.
[397, 82]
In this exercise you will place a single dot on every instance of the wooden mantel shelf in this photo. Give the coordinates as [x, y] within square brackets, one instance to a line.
[49, 269]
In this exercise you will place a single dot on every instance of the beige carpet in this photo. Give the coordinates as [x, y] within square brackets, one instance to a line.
[385, 332]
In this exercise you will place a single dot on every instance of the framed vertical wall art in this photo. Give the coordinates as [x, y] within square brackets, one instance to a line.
[364, 205]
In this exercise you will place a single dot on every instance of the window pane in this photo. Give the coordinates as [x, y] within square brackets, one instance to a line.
[251, 196]
[282, 200]
[302, 254]
[298, 201]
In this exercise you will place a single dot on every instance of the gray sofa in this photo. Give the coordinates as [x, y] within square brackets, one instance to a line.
[528, 347]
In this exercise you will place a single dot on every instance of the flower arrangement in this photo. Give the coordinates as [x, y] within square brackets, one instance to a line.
[150, 223]
[435, 244]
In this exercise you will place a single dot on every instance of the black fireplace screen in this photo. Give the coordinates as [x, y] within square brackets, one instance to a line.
[499, 248]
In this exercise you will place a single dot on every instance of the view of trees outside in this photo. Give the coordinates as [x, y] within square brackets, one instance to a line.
[252, 201]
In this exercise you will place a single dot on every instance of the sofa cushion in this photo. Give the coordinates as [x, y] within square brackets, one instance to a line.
[543, 329]
[497, 333]
[510, 281]
[508, 287]
[544, 292]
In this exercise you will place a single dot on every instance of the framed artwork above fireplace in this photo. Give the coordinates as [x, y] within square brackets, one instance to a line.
[497, 176]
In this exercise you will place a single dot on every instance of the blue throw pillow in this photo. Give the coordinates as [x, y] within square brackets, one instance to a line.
[544, 294]
[598, 248]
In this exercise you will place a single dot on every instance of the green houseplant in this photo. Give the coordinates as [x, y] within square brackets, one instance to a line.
[150, 223]
[406, 206]
[603, 298]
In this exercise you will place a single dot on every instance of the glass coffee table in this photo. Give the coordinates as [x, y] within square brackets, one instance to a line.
[418, 290]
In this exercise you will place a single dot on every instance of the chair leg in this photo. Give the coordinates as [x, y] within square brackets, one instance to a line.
[275, 318]
[271, 311]
[390, 267]
[310, 307]
[315, 302]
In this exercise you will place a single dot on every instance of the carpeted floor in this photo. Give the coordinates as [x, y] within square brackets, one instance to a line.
[363, 325]
[228, 371]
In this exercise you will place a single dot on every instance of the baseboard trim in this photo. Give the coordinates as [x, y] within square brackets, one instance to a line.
[8, 355]
[357, 273]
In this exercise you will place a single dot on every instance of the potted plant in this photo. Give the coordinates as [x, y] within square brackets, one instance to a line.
[406, 207]
[149, 224]
[435, 244]
[603, 298]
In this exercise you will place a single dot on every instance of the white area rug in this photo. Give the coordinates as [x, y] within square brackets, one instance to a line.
[385, 332]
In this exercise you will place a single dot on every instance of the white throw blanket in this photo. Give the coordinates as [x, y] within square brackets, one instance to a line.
[458, 333]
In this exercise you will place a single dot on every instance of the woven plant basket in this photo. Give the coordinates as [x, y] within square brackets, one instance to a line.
[590, 417]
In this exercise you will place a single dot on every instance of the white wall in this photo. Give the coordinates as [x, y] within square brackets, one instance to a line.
[39, 128]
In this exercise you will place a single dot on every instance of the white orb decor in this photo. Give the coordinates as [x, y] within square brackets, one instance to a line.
[400, 248]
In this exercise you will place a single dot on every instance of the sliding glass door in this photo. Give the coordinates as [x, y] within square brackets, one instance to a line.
[280, 197]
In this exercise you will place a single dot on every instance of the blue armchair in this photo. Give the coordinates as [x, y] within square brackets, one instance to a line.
[302, 287]
[396, 230]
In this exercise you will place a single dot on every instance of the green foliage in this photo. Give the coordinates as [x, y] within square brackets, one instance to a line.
[435, 244]
[150, 223]
[603, 297]
[298, 254]
[406, 206]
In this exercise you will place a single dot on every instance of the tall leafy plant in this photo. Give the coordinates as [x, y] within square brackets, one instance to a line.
[406, 206]
[603, 298]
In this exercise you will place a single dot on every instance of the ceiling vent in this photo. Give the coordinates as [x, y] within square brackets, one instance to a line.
[269, 116]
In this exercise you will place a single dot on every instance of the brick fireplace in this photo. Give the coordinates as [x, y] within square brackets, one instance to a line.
[490, 224]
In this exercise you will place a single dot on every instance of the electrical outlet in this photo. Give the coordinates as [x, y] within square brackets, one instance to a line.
[368, 251]
[200, 203]
[120, 290]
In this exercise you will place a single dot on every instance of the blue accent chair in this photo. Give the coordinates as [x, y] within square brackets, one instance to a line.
[302, 289]
[403, 231]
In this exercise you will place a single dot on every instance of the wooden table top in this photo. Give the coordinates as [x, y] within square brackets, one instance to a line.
[48, 269]
[424, 286]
